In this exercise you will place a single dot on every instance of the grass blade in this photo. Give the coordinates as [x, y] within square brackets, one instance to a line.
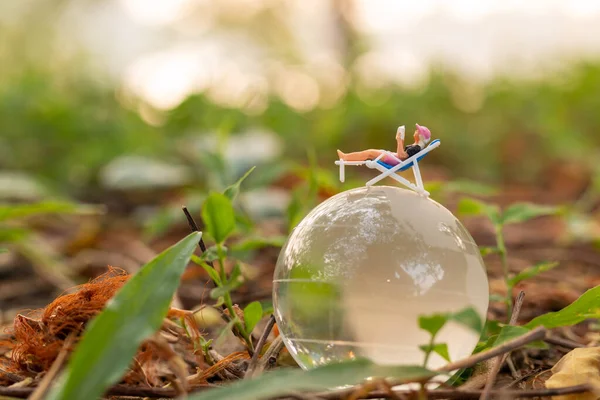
[281, 382]
[113, 337]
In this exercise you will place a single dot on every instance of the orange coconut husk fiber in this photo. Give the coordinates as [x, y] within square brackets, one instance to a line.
[36, 342]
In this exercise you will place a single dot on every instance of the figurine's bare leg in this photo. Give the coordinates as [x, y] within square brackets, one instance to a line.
[360, 155]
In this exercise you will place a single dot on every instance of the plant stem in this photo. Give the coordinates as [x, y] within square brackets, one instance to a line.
[505, 271]
[429, 350]
[229, 304]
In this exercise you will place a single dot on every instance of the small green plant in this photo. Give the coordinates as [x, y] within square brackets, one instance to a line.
[516, 213]
[219, 218]
[434, 323]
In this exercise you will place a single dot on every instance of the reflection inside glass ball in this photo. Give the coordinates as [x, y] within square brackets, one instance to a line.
[358, 271]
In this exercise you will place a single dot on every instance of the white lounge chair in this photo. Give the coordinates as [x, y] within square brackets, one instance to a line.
[392, 170]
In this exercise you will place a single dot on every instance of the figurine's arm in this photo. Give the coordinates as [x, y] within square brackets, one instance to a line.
[400, 139]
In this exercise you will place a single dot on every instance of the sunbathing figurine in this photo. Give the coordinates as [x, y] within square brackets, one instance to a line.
[421, 137]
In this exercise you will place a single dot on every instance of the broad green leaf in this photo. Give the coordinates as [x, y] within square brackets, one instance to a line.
[530, 272]
[232, 191]
[468, 206]
[113, 337]
[509, 332]
[280, 382]
[253, 313]
[218, 216]
[17, 211]
[432, 323]
[587, 306]
[440, 348]
[212, 273]
[469, 318]
[521, 212]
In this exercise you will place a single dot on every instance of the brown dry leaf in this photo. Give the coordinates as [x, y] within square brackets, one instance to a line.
[579, 366]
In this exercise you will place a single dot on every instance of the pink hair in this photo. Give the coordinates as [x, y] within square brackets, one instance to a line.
[424, 132]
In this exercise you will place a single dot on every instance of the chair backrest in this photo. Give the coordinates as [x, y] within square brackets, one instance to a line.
[410, 164]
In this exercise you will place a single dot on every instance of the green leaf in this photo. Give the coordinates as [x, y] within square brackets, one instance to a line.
[468, 207]
[218, 216]
[530, 272]
[235, 281]
[432, 323]
[18, 211]
[521, 212]
[587, 306]
[487, 250]
[440, 348]
[253, 313]
[509, 332]
[232, 191]
[283, 381]
[469, 318]
[212, 273]
[113, 337]
[212, 253]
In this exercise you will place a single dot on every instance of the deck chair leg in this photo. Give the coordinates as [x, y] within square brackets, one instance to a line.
[342, 172]
[404, 182]
[419, 180]
[417, 173]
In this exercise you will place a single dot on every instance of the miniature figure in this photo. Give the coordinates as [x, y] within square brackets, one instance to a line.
[389, 164]
[421, 137]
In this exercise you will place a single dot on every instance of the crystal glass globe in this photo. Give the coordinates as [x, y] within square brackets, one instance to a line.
[358, 271]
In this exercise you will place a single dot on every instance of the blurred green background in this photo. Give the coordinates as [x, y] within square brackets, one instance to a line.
[145, 105]
[85, 85]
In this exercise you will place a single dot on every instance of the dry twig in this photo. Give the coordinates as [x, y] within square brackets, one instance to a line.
[259, 346]
[537, 334]
[497, 363]
[269, 359]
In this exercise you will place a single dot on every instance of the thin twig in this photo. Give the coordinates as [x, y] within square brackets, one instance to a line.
[193, 227]
[259, 346]
[497, 363]
[40, 391]
[269, 358]
[537, 334]
[569, 344]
